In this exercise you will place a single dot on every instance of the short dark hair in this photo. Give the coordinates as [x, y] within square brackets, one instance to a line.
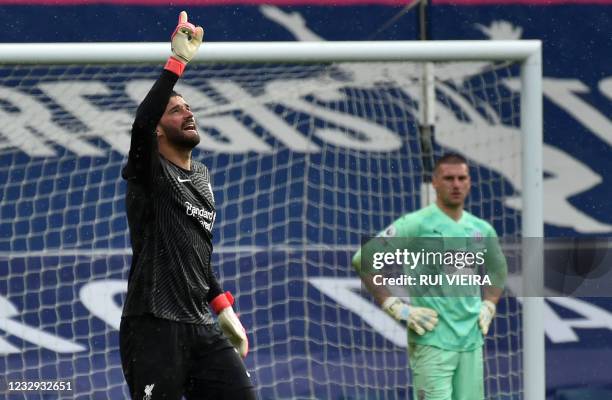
[175, 93]
[450, 158]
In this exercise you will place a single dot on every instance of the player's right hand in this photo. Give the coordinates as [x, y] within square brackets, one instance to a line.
[186, 39]
[419, 319]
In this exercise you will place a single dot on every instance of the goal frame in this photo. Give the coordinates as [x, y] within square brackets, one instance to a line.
[526, 52]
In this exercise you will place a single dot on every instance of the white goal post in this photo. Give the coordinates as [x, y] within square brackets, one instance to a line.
[527, 53]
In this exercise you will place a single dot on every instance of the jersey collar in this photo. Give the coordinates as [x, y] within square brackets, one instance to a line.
[439, 210]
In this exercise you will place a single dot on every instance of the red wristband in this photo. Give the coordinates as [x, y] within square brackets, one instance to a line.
[174, 65]
[221, 302]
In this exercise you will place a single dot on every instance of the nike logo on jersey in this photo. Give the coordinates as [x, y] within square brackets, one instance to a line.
[183, 180]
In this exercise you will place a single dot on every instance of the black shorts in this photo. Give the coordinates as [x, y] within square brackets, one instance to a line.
[164, 359]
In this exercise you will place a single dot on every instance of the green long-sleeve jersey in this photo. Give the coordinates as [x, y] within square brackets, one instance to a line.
[430, 227]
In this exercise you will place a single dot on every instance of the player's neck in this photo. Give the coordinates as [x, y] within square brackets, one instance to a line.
[178, 157]
[454, 212]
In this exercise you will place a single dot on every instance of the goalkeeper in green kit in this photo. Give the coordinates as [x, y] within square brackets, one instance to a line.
[445, 332]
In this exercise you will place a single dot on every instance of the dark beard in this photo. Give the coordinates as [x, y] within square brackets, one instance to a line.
[182, 141]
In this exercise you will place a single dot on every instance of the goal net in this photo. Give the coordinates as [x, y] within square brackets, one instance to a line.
[306, 160]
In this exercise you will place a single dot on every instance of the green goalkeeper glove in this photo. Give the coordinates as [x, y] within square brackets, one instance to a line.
[229, 322]
[419, 319]
[186, 40]
[487, 312]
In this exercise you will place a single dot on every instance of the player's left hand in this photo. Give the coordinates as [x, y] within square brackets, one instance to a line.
[229, 322]
[487, 312]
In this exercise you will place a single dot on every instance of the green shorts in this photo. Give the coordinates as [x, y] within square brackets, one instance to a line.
[446, 375]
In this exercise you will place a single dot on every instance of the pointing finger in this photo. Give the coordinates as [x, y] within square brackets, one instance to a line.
[182, 17]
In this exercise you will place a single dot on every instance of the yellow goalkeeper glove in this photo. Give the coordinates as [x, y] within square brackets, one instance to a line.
[229, 322]
[419, 319]
[186, 40]
[487, 312]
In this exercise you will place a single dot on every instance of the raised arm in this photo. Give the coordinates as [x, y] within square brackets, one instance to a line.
[143, 155]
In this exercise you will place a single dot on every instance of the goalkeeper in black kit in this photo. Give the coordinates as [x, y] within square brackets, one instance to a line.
[170, 344]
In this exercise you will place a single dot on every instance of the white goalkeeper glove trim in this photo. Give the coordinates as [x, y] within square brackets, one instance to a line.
[419, 319]
[487, 313]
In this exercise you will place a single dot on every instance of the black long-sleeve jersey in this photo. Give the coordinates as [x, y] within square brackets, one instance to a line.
[171, 212]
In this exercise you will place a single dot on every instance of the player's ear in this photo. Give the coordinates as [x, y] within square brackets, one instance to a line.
[434, 179]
